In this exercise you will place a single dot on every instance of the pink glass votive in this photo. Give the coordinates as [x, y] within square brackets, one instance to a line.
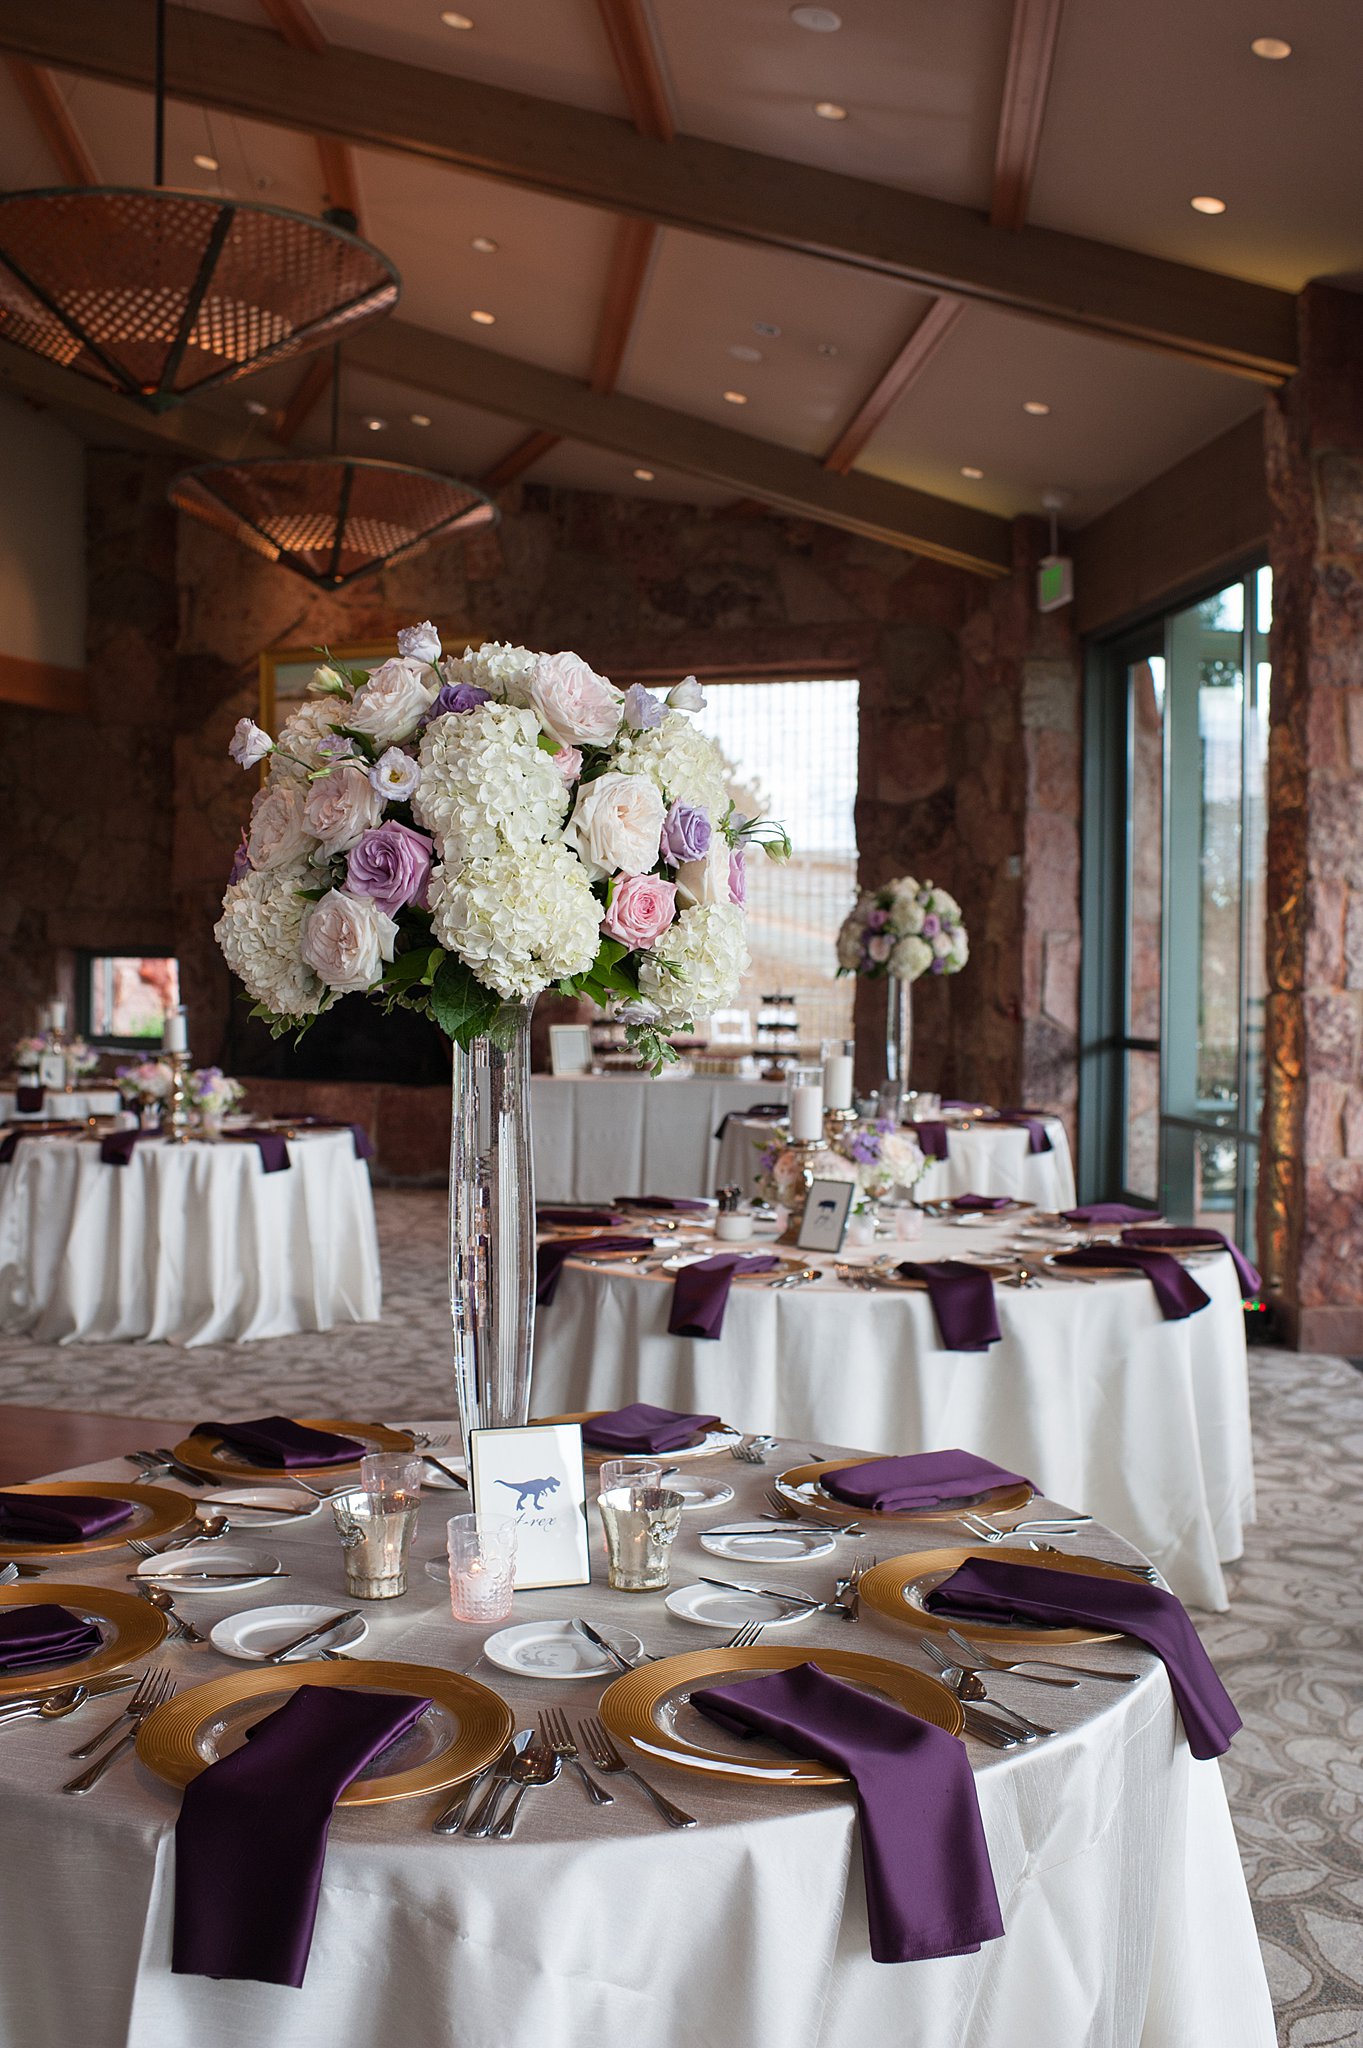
[482, 1553]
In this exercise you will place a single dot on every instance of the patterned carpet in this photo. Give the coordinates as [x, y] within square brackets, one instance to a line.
[1291, 1649]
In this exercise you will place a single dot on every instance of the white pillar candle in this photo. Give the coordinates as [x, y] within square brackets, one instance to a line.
[806, 1110]
[837, 1081]
[175, 1036]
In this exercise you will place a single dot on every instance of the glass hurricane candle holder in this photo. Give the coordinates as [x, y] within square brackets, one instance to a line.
[640, 1517]
[392, 1477]
[377, 1536]
[482, 1553]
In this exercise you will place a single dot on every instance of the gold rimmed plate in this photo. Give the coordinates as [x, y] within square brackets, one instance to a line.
[156, 1512]
[706, 1443]
[650, 1708]
[899, 1587]
[465, 1728]
[128, 1629]
[206, 1452]
[803, 1487]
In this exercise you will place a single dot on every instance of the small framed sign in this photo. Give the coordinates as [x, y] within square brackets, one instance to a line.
[570, 1048]
[826, 1213]
[535, 1474]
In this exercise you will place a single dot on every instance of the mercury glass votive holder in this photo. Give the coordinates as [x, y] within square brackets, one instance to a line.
[376, 1535]
[482, 1553]
[393, 1477]
[641, 1519]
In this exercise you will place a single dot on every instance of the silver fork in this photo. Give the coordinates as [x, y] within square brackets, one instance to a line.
[968, 1685]
[145, 1697]
[745, 1637]
[163, 1690]
[607, 1758]
[984, 1660]
[746, 1452]
[781, 1510]
[555, 1730]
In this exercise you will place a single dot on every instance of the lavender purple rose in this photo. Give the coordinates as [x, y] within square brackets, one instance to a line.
[391, 864]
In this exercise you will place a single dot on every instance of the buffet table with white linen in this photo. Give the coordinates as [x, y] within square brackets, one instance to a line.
[598, 1135]
[1124, 1903]
[192, 1243]
[982, 1159]
[1142, 1422]
[76, 1103]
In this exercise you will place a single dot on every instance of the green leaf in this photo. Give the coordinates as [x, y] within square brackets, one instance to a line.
[549, 745]
[312, 895]
[363, 743]
[461, 1005]
[414, 966]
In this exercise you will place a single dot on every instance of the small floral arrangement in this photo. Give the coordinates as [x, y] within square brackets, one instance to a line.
[877, 1156]
[147, 1082]
[80, 1059]
[213, 1092]
[77, 1055]
[28, 1051]
[456, 834]
[906, 929]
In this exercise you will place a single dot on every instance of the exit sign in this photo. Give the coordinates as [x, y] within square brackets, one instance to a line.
[1054, 583]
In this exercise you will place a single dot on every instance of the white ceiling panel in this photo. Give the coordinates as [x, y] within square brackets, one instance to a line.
[269, 165]
[577, 467]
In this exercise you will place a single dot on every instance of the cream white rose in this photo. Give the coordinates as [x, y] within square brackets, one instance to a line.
[706, 881]
[419, 643]
[277, 835]
[345, 941]
[341, 806]
[575, 706]
[388, 706]
[617, 823]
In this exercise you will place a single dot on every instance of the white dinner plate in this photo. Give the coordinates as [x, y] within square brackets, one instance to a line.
[555, 1649]
[436, 1482]
[981, 1219]
[261, 1631]
[712, 1607]
[767, 1546]
[253, 1565]
[697, 1492]
[268, 1503]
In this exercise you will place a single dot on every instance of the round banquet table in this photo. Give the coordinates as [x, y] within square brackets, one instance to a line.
[1128, 1922]
[599, 1135]
[190, 1244]
[1141, 1422]
[78, 1103]
[982, 1159]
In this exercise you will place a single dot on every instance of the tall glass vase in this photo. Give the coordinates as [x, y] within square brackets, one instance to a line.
[898, 1044]
[492, 1224]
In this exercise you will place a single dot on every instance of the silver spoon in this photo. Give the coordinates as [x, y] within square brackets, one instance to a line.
[185, 1631]
[209, 1530]
[55, 1707]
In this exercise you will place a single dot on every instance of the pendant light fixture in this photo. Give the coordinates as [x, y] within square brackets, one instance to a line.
[160, 295]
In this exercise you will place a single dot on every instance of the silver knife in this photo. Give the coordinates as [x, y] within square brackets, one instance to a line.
[584, 1628]
[311, 1635]
[765, 1593]
[481, 1819]
[452, 1819]
[228, 1578]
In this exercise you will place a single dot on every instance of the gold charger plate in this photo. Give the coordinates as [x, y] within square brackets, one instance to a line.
[205, 1453]
[594, 1452]
[800, 1486]
[885, 1587]
[162, 1511]
[130, 1628]
[635, 1707]
[468, 1729]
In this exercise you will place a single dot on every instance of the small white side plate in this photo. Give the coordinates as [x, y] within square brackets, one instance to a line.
[714, 1608]
[218, 1558]
[436, 1482]
[700, 1493]
[269, 1500]
[759, 1546]
[554, 1649]
[261, 1631]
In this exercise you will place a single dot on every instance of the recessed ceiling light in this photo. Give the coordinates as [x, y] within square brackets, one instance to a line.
[482, 319]
[485, 245]
[767, 328]
[645, 476]
[829, 110]
[1272, 47]
[1036, 406]
[420, 419]
[826, 348]
[741, 353]
[821, 19]
[453, 19]
[1205, 204]
[374, 423]
[735, 398]
[206, 163]
[254, 407]
[969, 469]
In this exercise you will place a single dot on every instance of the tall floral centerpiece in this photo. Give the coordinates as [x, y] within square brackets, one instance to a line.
[455, 834]
[895, 934]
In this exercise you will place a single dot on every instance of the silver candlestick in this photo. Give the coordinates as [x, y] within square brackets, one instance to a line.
[808, 1149]
[175, 1123]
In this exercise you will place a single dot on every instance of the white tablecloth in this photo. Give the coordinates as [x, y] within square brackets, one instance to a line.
[598, 1135]
[76, 1102]
[193, 1244]
[981, 1160]
[1091, 1393]
[1128, 1924]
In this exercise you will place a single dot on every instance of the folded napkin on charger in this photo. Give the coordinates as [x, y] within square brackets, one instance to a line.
[252, 1834]
[929, 1888]
[1032, 1121]
[116, 1149]
[583, 1219]
[643, 1430]
[550, 1259]
[970, 1205]
[1176, 1237]
[279, 1440]
[701, 1293]
[667, 1202]
[987, 1589]
[764, 1112]
[932, 1138]
[925, 1479]
[364, 1144]
[29, 1100]
[1107, 1212]
[1176, 1291]
[33, 1636]
[962, 1300]
[59, 1517]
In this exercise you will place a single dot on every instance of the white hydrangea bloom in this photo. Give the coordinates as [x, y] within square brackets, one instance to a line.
[518, 920]
[709, 945]
[487, 784]
[497, 666]
[260, 932]
[910, 958]
[684, 764]
[960, 948]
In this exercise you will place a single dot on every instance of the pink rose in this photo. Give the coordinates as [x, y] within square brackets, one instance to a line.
[879, 948]
[568, 761]
[641, 909]
[574, 704]
[738, 875]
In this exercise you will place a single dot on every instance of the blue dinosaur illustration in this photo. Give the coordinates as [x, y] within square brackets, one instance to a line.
[532, 1490]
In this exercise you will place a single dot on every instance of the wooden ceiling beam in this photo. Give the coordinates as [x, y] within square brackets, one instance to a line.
[518, 459]
[917, 352]
[1027, 81]
[635, 46]
[38, 90]
[1200, 316]
[631, 260]
[310, 389]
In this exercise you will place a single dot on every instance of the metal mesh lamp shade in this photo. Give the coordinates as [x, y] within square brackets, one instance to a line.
[159, 295]
[332, 518]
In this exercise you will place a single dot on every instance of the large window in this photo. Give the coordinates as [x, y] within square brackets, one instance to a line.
[125, 997]
[793, 746]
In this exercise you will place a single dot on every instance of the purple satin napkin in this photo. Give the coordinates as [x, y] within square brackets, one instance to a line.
[1172, 1236]
[929, 1888]
[766, 1112]
[1107, 1212]
[585, 1219]
[1038, 1137]
[643, 1429]
[987, 1588]
[1176, 1291]
[59, 1517]
[34, 1636]
[955, 1102]
[273, 1147]
[10, 1142]
[923, 1480]
[550, 1259]
[116, 1147]
[280, 1441]
[252, 1834]
[29, 1100]
[969, 1205]
[932, 1138]
[962, 1300]
[364, 1144]
[701, 1293]
[666, 1202]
